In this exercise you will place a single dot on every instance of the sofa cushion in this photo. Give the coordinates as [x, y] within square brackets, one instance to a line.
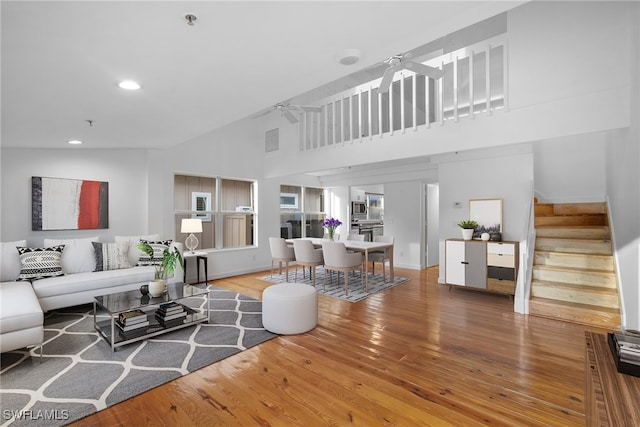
[111, 256]
[16, 317]
[78, 254]
[101, 282]
[10, 260]
[134, 252]
[158, 247]
[38, 263]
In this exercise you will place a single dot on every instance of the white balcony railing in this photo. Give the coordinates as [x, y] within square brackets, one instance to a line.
[474, 82]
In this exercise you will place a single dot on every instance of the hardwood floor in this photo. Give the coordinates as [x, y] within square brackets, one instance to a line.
[417, 354]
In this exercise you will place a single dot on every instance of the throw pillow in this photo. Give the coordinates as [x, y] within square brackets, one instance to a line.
[158, 249]
[111, 256]
[78, 254]
[10, 260]
[132, 241]
[39, 263]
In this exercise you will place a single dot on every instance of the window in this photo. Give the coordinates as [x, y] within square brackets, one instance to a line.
[310, 213]
[226, 207]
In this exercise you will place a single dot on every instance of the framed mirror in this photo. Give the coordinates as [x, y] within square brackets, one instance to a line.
[488, 214]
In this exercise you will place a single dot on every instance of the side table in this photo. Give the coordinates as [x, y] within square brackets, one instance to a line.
[199, 257]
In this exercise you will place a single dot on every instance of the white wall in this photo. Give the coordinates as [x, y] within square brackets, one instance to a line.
[507, 176]
[124, 170]
[623, 177]
[571, 169]
[236, 151]
[567, 49]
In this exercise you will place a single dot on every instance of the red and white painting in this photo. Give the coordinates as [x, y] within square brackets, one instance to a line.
[69, 204]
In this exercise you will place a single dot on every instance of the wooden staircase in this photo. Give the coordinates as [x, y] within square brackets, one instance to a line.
[574, 276]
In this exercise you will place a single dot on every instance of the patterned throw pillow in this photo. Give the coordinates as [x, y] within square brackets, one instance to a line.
[39, 263]
[111, 256]
[158, 249]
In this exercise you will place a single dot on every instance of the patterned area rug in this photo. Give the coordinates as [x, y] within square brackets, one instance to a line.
[80, 375]
[333, 289]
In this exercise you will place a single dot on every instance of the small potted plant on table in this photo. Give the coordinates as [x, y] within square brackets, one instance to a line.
[468, 227]
[166, 268]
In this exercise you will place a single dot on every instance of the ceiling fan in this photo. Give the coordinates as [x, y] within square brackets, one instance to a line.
[401, 61]
[286, 111]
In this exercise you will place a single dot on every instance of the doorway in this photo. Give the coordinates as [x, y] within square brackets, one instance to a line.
[431, 209]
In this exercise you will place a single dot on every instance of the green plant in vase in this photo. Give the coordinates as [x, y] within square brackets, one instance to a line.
[166, 268]
[468, 227]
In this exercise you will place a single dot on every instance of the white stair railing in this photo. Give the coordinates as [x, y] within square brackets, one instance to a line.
[474, 82]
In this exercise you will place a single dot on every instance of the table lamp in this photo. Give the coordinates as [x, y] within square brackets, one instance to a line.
[191, 226]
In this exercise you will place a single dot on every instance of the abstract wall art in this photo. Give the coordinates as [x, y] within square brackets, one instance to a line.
[68, 204]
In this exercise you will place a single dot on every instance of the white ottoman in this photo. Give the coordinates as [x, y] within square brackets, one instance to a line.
[289, 308]
[21, 318]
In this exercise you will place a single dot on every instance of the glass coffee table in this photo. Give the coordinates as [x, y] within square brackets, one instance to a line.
[180, 307]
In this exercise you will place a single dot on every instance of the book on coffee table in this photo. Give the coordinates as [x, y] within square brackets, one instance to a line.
[132, 316]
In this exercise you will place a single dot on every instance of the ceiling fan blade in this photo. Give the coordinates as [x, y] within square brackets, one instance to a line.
[385, 83]
[425, 70]
[309, 108]
[289, 115]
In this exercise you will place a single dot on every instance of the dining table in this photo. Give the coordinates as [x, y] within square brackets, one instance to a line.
[359, 246]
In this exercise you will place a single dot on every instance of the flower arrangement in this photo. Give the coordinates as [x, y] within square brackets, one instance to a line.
[331, 224]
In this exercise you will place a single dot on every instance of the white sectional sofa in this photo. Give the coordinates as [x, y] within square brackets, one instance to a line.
[79, 284]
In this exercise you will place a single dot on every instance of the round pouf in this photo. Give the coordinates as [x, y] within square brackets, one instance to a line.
[289, 308]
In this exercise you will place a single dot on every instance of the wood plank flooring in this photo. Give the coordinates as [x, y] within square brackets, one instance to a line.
[415, 355]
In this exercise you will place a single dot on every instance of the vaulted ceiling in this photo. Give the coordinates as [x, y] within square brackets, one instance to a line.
[62, 60]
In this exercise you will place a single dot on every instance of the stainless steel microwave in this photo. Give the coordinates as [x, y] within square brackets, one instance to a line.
[358, 208]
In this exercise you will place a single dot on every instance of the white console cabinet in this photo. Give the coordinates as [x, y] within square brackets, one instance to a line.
[490, 266]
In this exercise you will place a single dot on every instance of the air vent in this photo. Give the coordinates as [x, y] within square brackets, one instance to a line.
[272, 140]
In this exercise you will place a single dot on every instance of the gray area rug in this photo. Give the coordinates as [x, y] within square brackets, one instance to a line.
[80, 375]
[357, 292]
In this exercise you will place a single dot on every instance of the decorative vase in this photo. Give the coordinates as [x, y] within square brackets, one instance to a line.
[332, 234]
[467, 233]
[157, 287]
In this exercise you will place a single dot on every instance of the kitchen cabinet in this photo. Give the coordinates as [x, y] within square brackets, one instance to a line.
[490, 266]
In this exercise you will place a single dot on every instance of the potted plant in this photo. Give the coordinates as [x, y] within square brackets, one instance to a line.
[166, 268]
[468, 227]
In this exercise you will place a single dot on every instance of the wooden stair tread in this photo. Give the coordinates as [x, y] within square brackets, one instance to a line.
[573, 286]
[581, 241]
[574, 269]
[574, 227]
[573, 254]
[575, 305]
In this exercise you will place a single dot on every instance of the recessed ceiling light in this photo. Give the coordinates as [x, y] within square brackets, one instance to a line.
[74, 142]
[350, 56]
[129, 85]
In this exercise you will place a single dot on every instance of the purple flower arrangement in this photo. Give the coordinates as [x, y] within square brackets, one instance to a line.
[331, 224]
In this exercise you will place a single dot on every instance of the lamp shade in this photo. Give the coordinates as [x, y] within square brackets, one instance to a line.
[190, 225]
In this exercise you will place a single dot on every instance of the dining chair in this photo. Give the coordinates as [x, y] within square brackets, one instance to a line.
[380, 256]
[307, 256]
[281, 252]
[336, 258]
